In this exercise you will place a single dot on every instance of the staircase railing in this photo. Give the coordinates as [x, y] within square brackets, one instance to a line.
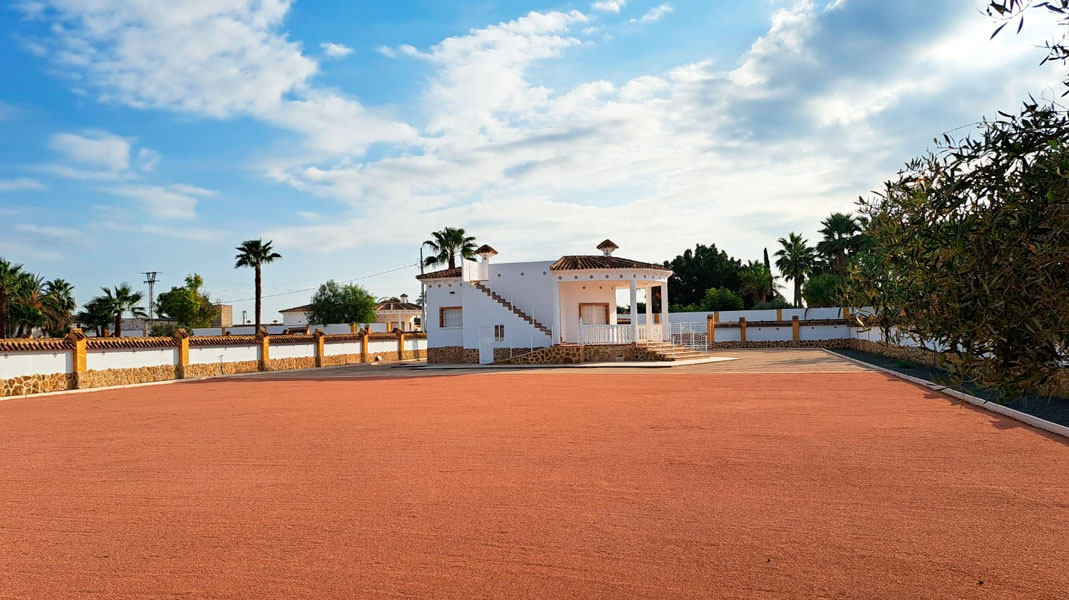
[506, 301]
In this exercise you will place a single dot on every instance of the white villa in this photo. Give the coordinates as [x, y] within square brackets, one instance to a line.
[479, 309]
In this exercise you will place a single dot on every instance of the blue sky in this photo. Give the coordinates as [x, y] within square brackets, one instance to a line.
[136, 136]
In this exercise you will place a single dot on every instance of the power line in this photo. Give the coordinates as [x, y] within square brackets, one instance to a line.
[284, 283]
[317, 287]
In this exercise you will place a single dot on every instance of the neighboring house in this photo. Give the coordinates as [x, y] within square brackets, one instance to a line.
[296, 316]
[399, 313]
[396, 313]
[226, 316]
[478, 306]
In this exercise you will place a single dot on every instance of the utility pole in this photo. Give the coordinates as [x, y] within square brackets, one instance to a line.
[150, 279]
[422, 294]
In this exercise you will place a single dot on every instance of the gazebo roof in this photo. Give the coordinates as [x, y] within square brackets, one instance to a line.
[578, 263]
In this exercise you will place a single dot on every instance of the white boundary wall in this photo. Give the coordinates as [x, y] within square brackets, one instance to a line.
[129, 358]
[203, 355]
[291, 351]
[18, 364]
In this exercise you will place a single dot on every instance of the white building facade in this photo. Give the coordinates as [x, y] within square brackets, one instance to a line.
[485, 305]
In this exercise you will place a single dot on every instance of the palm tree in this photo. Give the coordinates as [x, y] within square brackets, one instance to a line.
[10, 274]
[795, 261]
[121, 300]
[28, 307]
[447, 244]
[59, 304]
[255, 254]
[840, 233]
[754, 282]
[96, 314]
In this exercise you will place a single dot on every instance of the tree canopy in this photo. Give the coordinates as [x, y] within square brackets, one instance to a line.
[698, 270]
[970, 250]
[334, 303]
[188, 304]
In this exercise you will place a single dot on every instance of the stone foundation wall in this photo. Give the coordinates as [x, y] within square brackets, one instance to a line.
[912, 354]
[550, 355]
[37, 384]
[840, 343]
[507, 353]
[216, 369]
[610, 353]
[340, 359]
[113, 377]
[290, 364]
[453, 355]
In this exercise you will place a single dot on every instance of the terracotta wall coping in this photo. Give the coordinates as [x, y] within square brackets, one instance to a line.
[809, 323]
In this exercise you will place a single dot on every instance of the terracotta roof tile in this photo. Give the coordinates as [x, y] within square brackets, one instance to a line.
[443, 274]
[130, 342]
[397, 305]
[223, 340]
[302, 308]
[576, 263]
[34, 345]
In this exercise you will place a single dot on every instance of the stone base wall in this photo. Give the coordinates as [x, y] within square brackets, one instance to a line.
[216, 369]
[550, 355]
[912, 354]
[37, 384]
[610, 353]
[290, 364]
[839, 343]
[340, 359]
[113, 377]
[507, 353]
[453, 355]
[414, 354]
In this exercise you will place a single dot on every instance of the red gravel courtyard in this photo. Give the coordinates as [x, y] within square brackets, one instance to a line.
[529, 485]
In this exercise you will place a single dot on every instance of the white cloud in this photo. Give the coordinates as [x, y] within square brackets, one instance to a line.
[218, 59]
[99, 155]
[654, 14]
[96, 148]
[823, 106]
[170, 202]
[20, 184]
[335, 50]
[613, 6]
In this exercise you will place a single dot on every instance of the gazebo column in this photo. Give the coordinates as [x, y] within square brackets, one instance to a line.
[556, 314]
[649, 311]
[634, 312]
[664, 310]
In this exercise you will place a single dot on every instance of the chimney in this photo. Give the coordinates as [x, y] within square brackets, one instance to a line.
[404, 298]
[607, 247]
[486, 252]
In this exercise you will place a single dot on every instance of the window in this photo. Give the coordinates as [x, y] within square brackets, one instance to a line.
[450, 317]
[499, 333]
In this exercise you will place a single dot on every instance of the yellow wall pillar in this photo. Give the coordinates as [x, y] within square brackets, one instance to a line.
[716, 316]
[318, 335]
[742, 329]
[265, 348]
[710, 329]
[846, 312]
[182, 337]
[794, 328]
[363, 346]
[779, 314]
[400, 344]
[78, 340]
[353, 329]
